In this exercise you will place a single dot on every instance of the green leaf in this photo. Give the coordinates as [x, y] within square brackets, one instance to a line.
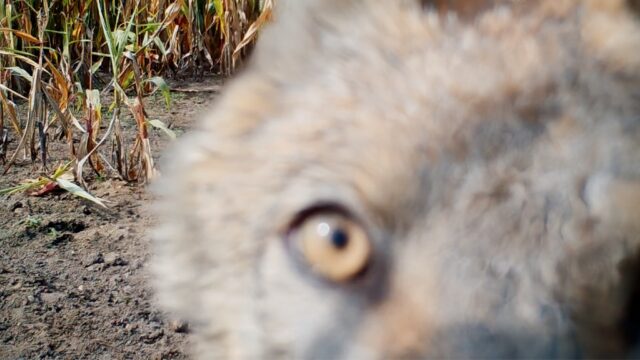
[162, 126]
[108, 36]
[78, 191]
[22, 187]
[96, 65]
[21, 72]
[160, 45]
[163, 87]
[220, 14]
[22, 55]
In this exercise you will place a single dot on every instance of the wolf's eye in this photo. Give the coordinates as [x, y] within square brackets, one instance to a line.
[332, 244]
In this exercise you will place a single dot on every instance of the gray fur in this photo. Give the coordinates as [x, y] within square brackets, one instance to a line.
[493, 158]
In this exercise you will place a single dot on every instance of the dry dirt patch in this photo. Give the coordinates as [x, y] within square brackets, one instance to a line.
[74, 278]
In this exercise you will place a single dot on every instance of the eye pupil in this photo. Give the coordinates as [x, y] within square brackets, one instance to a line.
[339, 238]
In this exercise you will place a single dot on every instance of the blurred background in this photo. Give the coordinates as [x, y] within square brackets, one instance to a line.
[91, 93]
[70, 69]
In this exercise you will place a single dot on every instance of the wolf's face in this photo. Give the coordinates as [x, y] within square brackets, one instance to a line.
[415, 178]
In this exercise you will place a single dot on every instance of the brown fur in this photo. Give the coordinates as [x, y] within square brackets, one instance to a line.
[491, 149]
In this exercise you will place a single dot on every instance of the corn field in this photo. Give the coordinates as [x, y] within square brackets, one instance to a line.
[58, 57]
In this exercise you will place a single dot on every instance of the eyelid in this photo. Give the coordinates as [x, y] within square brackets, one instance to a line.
[320, 207]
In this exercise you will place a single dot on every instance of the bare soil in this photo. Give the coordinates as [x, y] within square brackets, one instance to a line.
[74, 280]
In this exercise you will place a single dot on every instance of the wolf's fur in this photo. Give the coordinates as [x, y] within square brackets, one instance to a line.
[492, 151]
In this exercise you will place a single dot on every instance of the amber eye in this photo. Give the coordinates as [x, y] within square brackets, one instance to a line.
[333, 245]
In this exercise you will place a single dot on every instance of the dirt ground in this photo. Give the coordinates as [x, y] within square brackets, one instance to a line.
[74, 278]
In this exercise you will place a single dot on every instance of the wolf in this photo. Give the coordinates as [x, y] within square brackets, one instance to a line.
[414, 179]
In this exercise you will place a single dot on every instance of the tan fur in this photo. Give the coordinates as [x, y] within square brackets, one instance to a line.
[491, 150]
